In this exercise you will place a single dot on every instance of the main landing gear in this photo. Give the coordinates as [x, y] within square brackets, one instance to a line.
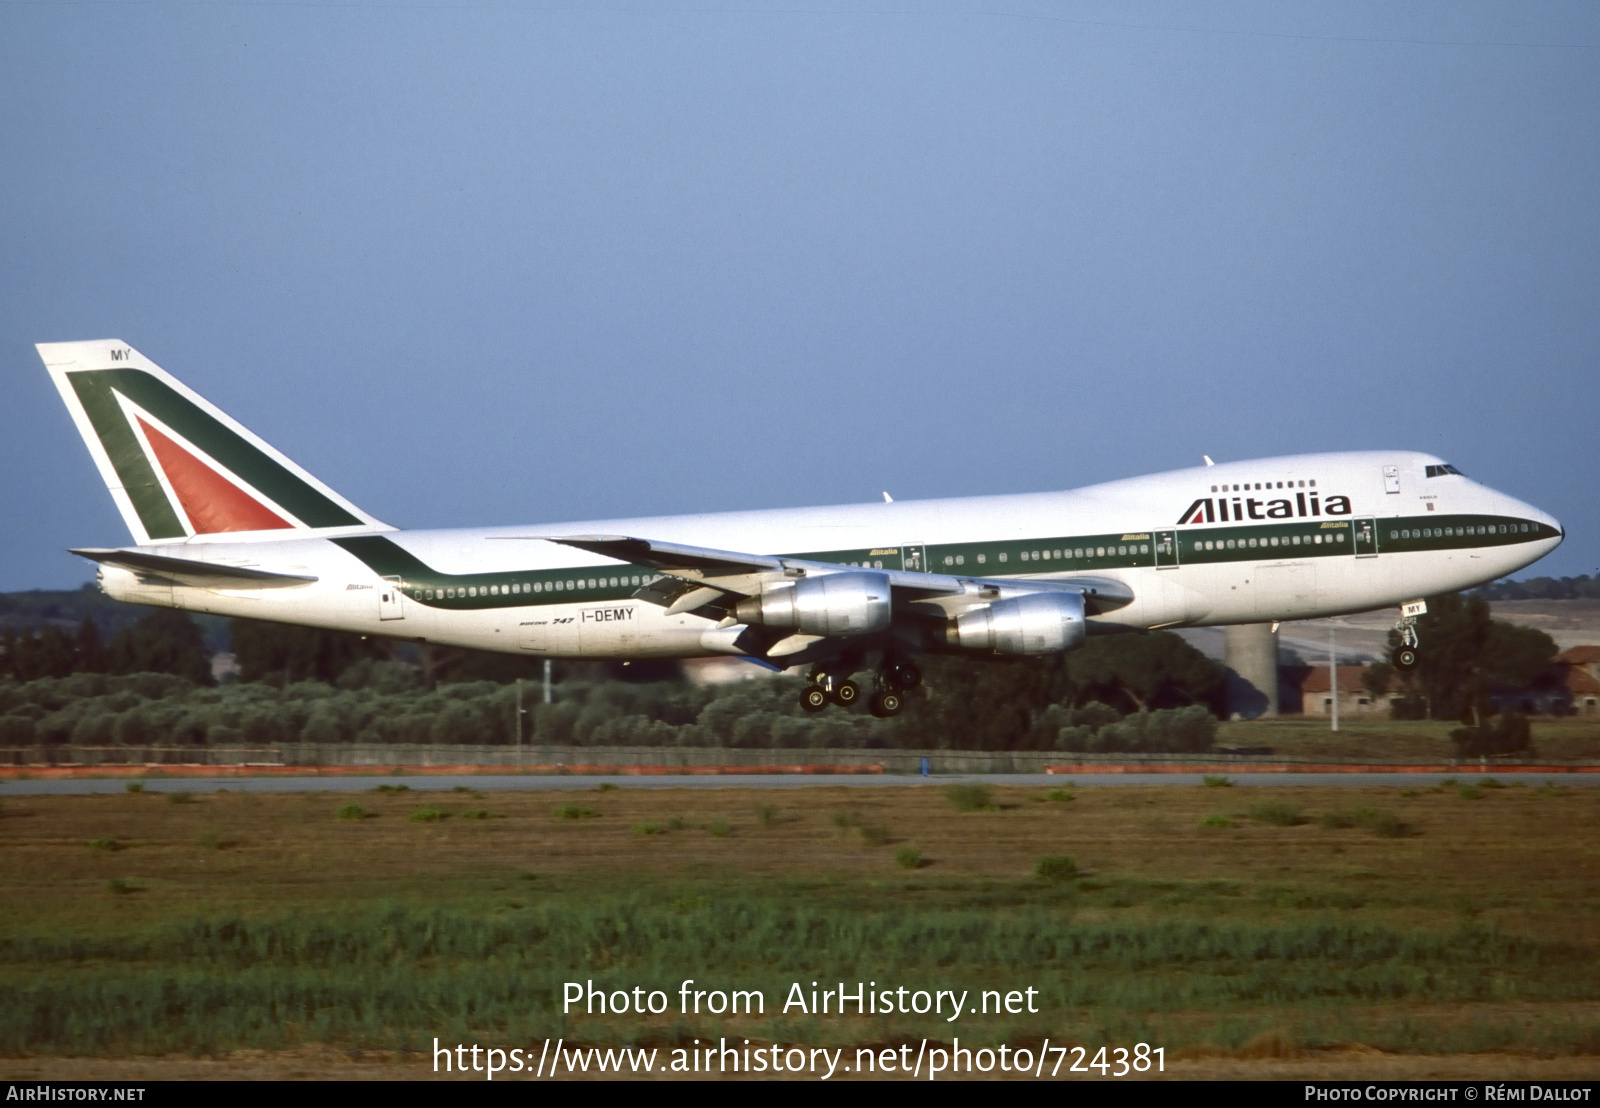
[890, 684]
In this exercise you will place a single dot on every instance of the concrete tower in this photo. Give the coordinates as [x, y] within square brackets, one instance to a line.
[1252, 650]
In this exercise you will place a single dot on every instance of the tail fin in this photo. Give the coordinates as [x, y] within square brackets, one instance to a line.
[177, 466]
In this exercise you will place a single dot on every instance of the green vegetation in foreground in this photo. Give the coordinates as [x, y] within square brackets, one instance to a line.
[392, 976]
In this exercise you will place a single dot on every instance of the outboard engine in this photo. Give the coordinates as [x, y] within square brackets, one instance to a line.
[830, 604]
[1036, 623]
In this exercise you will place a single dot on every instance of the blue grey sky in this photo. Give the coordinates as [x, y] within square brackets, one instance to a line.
[495, 263]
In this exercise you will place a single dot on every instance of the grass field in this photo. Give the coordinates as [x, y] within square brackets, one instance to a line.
[1222, 923]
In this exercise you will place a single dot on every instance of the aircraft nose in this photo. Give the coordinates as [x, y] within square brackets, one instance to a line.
[1529, 512]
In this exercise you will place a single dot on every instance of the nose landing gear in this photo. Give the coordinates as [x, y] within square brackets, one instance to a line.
[1405, 655]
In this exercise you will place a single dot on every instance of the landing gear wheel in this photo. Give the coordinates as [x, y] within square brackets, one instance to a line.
[904, 675]
[814, 698]
[846, 693]
[887, 703]
[1404, 659]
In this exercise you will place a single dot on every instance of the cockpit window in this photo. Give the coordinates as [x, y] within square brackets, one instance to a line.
[1440, 471]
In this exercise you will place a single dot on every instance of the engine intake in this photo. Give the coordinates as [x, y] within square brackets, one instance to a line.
[832, 604]
[1038, 623]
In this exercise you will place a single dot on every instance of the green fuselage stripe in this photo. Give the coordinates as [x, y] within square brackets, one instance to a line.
[1080, 554]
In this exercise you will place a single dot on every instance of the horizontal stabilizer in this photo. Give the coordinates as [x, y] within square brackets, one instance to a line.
[186, 571]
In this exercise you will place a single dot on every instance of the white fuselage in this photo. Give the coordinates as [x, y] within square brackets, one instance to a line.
[1269, 540]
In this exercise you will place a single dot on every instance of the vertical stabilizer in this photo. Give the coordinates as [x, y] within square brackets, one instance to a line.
[177, 467]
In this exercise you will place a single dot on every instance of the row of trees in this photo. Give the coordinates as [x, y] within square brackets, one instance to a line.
[306, 686]
[158, 710]
[164, 641]
[1582, 587]
[301, 684]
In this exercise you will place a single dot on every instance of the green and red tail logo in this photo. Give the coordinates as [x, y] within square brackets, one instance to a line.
[175, 464]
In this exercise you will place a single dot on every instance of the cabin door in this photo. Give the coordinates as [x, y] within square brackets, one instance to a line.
[391, 602]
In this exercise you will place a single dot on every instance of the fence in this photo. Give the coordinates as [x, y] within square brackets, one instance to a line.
[375, 756]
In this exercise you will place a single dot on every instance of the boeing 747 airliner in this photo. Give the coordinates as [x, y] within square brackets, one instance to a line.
[223, 523]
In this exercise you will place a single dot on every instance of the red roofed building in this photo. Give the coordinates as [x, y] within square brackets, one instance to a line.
[1579, 669]
[1316, 694]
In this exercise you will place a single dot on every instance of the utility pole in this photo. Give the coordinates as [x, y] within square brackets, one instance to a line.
[519, 722]
[1333, 671]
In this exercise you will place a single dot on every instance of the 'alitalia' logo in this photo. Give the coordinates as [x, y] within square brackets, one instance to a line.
[1221, 509]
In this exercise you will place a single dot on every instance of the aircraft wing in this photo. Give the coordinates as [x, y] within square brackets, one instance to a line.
[187, 571]
[707, 581]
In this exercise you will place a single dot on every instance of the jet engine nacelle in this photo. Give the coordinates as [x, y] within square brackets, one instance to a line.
[1037, 623]
[831, 604]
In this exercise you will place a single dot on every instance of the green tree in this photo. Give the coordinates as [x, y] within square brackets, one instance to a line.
[1516, 657]
[1141, 672]
[31, 654]
[90, 650]
[165, 641]
[1377, 680]
[282, 654]
[984, 703]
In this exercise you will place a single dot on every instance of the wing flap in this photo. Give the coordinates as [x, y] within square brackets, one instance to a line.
[681, 561]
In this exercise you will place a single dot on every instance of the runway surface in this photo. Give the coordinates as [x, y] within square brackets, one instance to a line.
[524, 783]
